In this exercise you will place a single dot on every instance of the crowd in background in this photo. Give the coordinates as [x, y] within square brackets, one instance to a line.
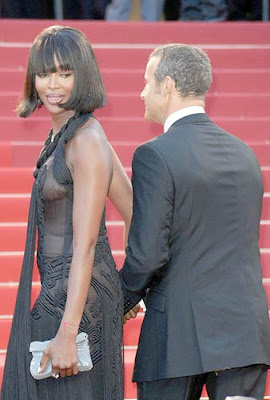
[218, 10]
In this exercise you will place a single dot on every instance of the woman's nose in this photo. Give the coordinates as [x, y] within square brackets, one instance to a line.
[53, 82]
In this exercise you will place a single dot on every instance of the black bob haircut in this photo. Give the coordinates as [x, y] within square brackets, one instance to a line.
[73, 51]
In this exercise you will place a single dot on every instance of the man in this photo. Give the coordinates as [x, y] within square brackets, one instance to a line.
[193, 244]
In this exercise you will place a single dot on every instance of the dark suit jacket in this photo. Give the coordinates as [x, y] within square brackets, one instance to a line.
[193, 245]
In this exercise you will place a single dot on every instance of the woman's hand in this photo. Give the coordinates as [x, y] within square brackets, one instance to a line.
[63, 353]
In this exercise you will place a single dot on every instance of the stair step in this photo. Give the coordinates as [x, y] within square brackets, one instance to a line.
[25, 154]
[12, 236]
[15, 209]
[266, 284]
[266, 178]
[130, 334]
[130, 388]
[17, 30]
[129, 357]
[11, 263]
[266, 207]
[9, 293]
[265, 259]
[131, 105]
[20, 180]
[36, 128]
[16, 57]
[115, 80]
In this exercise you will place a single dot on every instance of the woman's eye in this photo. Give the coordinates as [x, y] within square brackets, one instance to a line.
[43, 75]
[65, 74]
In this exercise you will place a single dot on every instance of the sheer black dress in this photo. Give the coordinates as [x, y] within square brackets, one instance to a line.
[51, 213]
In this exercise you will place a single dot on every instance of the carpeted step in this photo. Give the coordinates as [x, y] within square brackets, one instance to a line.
[129, 357]
[130, 388]
[14, 208]
[25, 154]
[18, 30]
[9, 293]
[12, 235]
[131, 128]
[11, 263]
[115, 80]
[136, 57]
[130, 334]
[20, 180]
[131, 105]
[266, 207]
[266, 284]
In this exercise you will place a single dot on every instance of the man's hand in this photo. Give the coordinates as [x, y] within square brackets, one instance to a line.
[132, 313]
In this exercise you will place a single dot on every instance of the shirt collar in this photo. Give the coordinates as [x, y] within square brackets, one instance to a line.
[184, 112]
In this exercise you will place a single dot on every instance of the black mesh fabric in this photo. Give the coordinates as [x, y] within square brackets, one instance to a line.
[51, 215]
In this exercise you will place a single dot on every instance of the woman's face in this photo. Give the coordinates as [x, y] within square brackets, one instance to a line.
[55, 88]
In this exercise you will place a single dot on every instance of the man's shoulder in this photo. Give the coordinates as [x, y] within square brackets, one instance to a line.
[156, 146]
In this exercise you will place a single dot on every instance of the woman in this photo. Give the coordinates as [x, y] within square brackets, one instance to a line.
[75, 172]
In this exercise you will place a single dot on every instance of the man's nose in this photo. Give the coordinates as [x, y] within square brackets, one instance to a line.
[142, 94]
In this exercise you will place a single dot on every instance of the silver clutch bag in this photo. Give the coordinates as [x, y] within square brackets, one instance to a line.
[83, 352]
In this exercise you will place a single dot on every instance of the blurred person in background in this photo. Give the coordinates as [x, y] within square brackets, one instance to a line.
[119, 10]
[213, 10]
[85, 9]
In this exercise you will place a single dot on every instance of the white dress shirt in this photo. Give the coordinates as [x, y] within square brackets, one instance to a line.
[184, 112]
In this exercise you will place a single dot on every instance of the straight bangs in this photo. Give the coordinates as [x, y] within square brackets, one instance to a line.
[49, 51]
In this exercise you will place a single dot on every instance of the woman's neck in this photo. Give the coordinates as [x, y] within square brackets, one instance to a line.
[60, 120]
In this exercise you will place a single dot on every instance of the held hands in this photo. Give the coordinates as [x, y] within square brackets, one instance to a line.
[132, 313]
[63, 354]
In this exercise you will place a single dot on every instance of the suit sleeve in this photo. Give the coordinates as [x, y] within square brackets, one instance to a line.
[148, 244]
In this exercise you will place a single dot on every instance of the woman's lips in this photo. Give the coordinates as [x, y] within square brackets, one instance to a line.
[53, 99]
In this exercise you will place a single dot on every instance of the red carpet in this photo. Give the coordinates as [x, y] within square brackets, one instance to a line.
[239, 101]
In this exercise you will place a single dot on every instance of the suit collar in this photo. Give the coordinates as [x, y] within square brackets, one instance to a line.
[181, 113]
[191, 119]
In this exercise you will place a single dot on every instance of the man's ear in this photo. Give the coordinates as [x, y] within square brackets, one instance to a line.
[168, 85]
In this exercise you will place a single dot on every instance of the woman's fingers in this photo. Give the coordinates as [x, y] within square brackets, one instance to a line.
[63, 372]
[69, 371]
[75, 369]
[44, 361]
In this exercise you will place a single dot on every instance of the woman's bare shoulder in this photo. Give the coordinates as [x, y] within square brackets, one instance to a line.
[90, 138]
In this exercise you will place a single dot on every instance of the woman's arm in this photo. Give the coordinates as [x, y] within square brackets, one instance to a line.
[89, 157]
[120, 193]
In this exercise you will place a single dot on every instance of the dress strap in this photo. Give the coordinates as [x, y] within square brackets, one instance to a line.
[66, 132]
[61, 171]
[17, 381]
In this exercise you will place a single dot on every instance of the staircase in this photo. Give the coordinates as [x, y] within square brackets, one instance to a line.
[239, 101]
